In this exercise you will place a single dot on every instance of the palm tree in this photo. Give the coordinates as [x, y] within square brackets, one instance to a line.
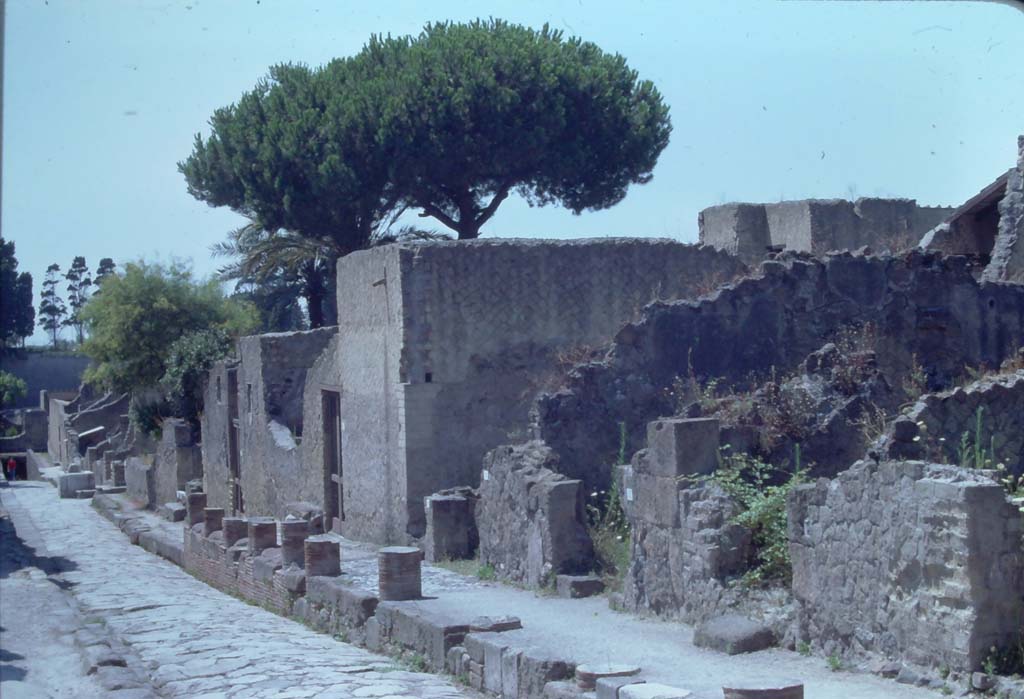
[306, 264]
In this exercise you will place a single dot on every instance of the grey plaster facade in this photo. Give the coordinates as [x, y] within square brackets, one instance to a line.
[442, 346]
[260, 397]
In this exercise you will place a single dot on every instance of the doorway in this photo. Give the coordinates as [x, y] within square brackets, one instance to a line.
[234, 449]
[334, 500]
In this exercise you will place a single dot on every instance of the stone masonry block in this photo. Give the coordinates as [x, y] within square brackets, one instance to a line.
[682, 447]
[656, 499]
[68, 484]
[450, 528]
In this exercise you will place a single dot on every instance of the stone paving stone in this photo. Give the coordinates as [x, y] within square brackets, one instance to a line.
[195, 641]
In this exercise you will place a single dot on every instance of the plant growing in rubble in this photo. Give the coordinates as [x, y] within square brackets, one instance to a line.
[609, 529]
[760, 490]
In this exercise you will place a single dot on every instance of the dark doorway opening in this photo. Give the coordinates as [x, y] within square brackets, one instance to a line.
[334, 500]
[234, 449]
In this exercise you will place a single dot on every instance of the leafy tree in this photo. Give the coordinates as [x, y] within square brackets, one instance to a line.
[476, 111]
[189, 358]
[12, 389]
[52, 310]
[105, 268]
[449, 122]
[304, 266]
[78, 283]
[299, 154]
[17, 314]
[141, 311]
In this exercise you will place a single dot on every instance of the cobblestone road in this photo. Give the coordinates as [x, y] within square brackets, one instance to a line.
[193, 640]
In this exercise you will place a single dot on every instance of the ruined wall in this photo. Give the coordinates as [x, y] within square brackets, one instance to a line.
[477, 329]
[530, 519]
[915, 561]
[323, 375]
[817, 225]
[215, 423]
[271, 383]
[934, 427]
[178, 461]
[33, 434]
[1008, 251]
[921, 305]
[69, 419]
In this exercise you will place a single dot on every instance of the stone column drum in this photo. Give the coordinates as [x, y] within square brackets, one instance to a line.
[195, 504]
[262, 534]
[212, 518]
[234, 528]
[399, 573]
[293, 536]
[323, 556]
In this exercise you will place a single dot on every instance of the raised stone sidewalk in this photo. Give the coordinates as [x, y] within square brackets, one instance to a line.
[190, 640]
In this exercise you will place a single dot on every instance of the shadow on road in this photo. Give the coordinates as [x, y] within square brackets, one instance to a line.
[15, 555]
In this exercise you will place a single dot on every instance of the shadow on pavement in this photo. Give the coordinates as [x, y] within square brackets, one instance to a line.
[15, 555]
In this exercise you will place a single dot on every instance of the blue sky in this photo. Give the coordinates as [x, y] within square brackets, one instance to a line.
[769, 100]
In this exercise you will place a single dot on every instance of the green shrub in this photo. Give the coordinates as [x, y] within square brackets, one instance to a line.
[608, 527]
[760, 490]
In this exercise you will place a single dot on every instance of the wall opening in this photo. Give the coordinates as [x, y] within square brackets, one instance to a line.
[334, 500]
[234, 449]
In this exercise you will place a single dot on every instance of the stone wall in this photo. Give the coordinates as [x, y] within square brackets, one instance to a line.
[817, 225]
[1008, 250]
[935, 426]
[215, 424]
[178, 461]
[530, 519]
[686, 554]
[911, 560]
[258, 576]
[922, 306]
[271, 374]
[69, 419]
[443, 345]
[140, 480]
[34, 426]
[44, 372]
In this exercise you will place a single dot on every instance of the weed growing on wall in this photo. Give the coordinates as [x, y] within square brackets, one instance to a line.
[608, 526]
[760, 490]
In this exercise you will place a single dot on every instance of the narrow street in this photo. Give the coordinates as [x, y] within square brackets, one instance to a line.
[183, 638]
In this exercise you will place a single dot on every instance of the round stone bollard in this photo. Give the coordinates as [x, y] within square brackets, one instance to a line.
[786, 689]
[234, 528]
[323, 556]
[195, 505]
[399, 573]
[262, 534]
[293, 536]
[212, 518]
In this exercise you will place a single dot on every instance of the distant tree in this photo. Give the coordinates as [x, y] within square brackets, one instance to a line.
[52, 310]
[78, 284]
[17, 314]
[105, 268]
[12, 389]
[141, 311]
